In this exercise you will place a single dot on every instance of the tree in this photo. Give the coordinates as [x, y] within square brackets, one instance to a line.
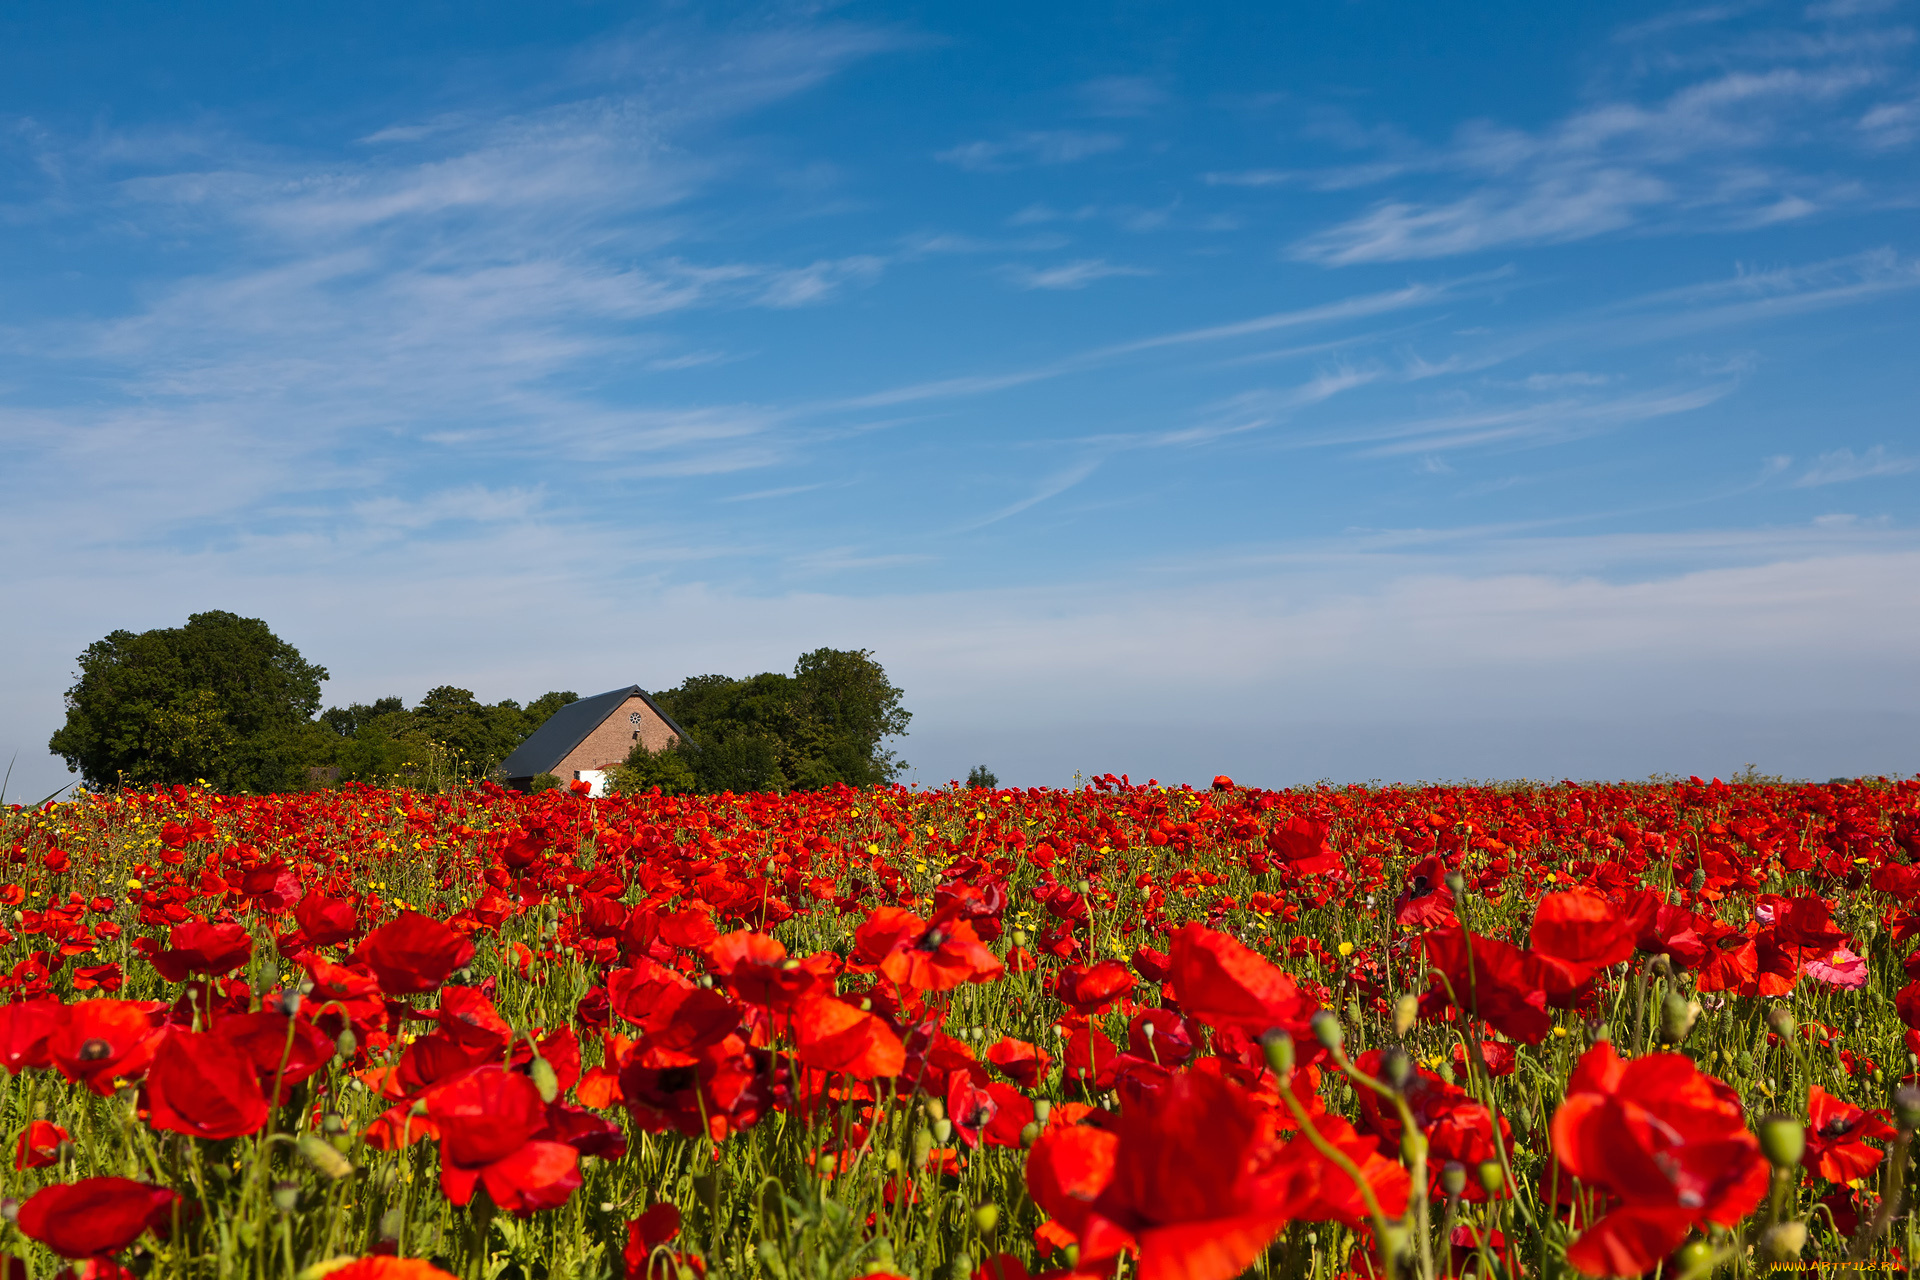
[822, 725]
[670, 769]
[982, 777]
[221, 698]
[450, 735]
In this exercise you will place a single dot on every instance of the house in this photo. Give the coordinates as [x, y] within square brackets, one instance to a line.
[583, 740]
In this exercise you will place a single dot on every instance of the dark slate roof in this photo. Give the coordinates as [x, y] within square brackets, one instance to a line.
[568, 727]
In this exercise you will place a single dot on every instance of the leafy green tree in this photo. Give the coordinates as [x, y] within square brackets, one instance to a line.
[671, 770]
[982, 777]
[822, 725]
[221, 698]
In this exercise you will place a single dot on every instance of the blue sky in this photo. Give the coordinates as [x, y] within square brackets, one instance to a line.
[1351, 390]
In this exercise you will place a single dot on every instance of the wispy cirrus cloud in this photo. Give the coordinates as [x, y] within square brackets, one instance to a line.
[1070, 275]
[1722, 149]
[1024, 150]
[1843, 465]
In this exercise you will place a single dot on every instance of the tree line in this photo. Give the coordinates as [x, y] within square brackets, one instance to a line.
[225, 701]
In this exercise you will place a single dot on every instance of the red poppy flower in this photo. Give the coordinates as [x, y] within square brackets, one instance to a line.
[832, 1035]
[1089, 989]
[414, 953]
[208, 950]
[756, 968]
[1154, 966]
[39, 1145]
[200, 1086]
[488, 1120]
[1222, 983]
[1023, 1063]
[384, 1268]
[24, 1029]
[1425, 902]
[1837, 1134]
[1195, 1177]
[95, 1216]
[100, 1041]
[646, 1233]
[1493, 980]
[326, 921]
[1456, 1127]
[1906, 1003]
[1160, 1036]
[712, 1093]
[1668, 1141]
[1303, 843]
[1580, 933]
[261, 1040]
[923, 957]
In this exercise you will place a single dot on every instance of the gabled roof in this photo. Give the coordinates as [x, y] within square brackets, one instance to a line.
[568, 727]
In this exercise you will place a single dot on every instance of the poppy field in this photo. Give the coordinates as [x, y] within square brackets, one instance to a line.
[963, 1034]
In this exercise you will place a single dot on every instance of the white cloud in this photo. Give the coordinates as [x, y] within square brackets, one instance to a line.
[1070, 275]
[1842, 465]
[1702, 154]
[1055, 146]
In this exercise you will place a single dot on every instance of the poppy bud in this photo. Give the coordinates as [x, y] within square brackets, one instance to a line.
[1029, 1134]
[290, 1003]
[1327, 1030]
[1699, 881]
[1413, 1146]
[1405, 1011]
[1783, 1241]
[319, 1153]
[1781, 1020]
[942, 1130]
[707, 1187]
[1456, 884]
[1744, 1062]
[286, 1196]
[1453, 1178]
[922, 1148]
[1677, 1016]
[1278, 1046]
[10, 1209]
[986, 1217]
[1694, 1260]
[1019, 937]
[1447, 1072]
[1042, 1108]
[1783, 1139]
[1906, 1108]
[1492, 1176]
[827, 1166]
[347, 1045]
[333, 1122]
[544, 1079]
[883, 1254]
[1073, 1255]
[391, 1222]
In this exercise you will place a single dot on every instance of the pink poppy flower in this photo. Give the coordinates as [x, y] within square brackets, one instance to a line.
[1838, 968]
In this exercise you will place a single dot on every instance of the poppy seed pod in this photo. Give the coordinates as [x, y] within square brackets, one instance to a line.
[1406, 1010]
[1278, 1046]
[286, 1196]
[1029, 1134]
[1677, 1017]
[1783, 1140]
[321, 1154]
[1453, 1178]
[544, 1079]
[1327, 1030]
[1042, 1109]
[942, 1130]
[1492, 1176]
[1695, 1259]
